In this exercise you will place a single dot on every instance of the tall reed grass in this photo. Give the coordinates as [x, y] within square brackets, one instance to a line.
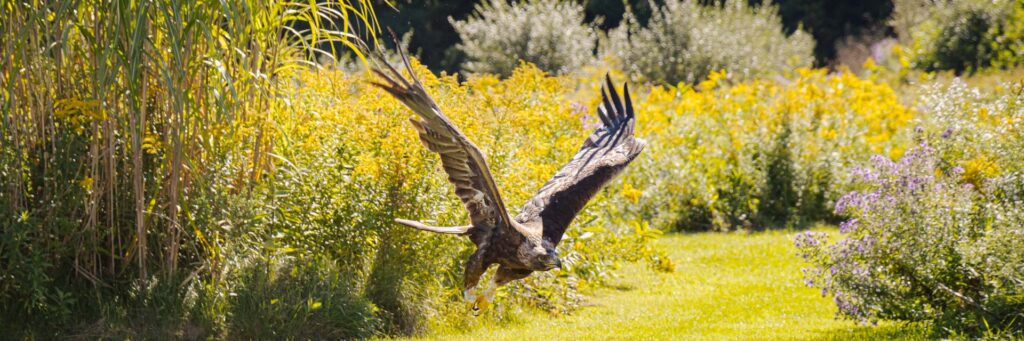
[114, 117]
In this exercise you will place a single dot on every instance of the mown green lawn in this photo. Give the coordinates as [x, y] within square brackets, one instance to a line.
[726, 286]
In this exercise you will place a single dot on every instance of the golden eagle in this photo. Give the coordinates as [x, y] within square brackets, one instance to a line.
[526, 243]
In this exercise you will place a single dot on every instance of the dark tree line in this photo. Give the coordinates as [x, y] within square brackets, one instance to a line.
[830, 21]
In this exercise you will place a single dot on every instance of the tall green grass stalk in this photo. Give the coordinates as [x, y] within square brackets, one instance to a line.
[113, 113]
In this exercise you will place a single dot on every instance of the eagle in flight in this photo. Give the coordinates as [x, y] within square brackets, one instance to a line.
[526, 243]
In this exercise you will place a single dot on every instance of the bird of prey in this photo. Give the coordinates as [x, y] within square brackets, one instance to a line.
[526, 243]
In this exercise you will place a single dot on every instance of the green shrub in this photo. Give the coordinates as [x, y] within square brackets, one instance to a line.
[285, 297]
[685, 41]
[908, 14]
[760, 154]
[964, 35]
[922, 246]
[936, 235]
[547, 33]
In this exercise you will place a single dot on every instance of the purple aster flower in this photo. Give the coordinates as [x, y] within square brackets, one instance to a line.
[847, 201]
[848, 226]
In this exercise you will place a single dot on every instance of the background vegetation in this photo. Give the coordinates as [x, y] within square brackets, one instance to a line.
[962, 35]
[547, 33]
[434, 38]
[207, 170]
[675, 45]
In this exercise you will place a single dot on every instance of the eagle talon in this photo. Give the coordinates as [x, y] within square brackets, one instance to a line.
[488, 294]
[478, 302]
[480, 305]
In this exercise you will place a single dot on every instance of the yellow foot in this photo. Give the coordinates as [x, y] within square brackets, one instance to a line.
[482, 304]
[476, 302]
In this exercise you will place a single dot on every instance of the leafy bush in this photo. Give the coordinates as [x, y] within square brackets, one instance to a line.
[935, 235]
[685, 41]
[908, 14]
[548, 33]
[963, 35]
[308, 299]
[760, 154]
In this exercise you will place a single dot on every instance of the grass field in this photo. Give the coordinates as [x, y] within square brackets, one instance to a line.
[726, 286]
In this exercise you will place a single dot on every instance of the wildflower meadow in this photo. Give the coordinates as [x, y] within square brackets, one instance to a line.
[227, 170]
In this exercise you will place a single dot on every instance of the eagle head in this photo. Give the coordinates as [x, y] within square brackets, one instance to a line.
[539, 255]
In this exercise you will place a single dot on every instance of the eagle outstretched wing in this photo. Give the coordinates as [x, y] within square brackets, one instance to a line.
[603, 155]
[462, 161]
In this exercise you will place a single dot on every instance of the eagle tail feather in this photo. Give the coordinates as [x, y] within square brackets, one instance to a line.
[459, 230]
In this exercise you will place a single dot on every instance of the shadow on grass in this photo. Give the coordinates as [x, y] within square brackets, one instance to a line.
[620, 286]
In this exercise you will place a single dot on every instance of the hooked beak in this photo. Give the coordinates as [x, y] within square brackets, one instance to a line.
[555, 264]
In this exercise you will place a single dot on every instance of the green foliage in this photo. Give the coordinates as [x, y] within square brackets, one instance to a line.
[760, 154]
[547, 33]
[963, 35]
[935, 235]
[908, 14]
[286, 297]
[685, 41]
